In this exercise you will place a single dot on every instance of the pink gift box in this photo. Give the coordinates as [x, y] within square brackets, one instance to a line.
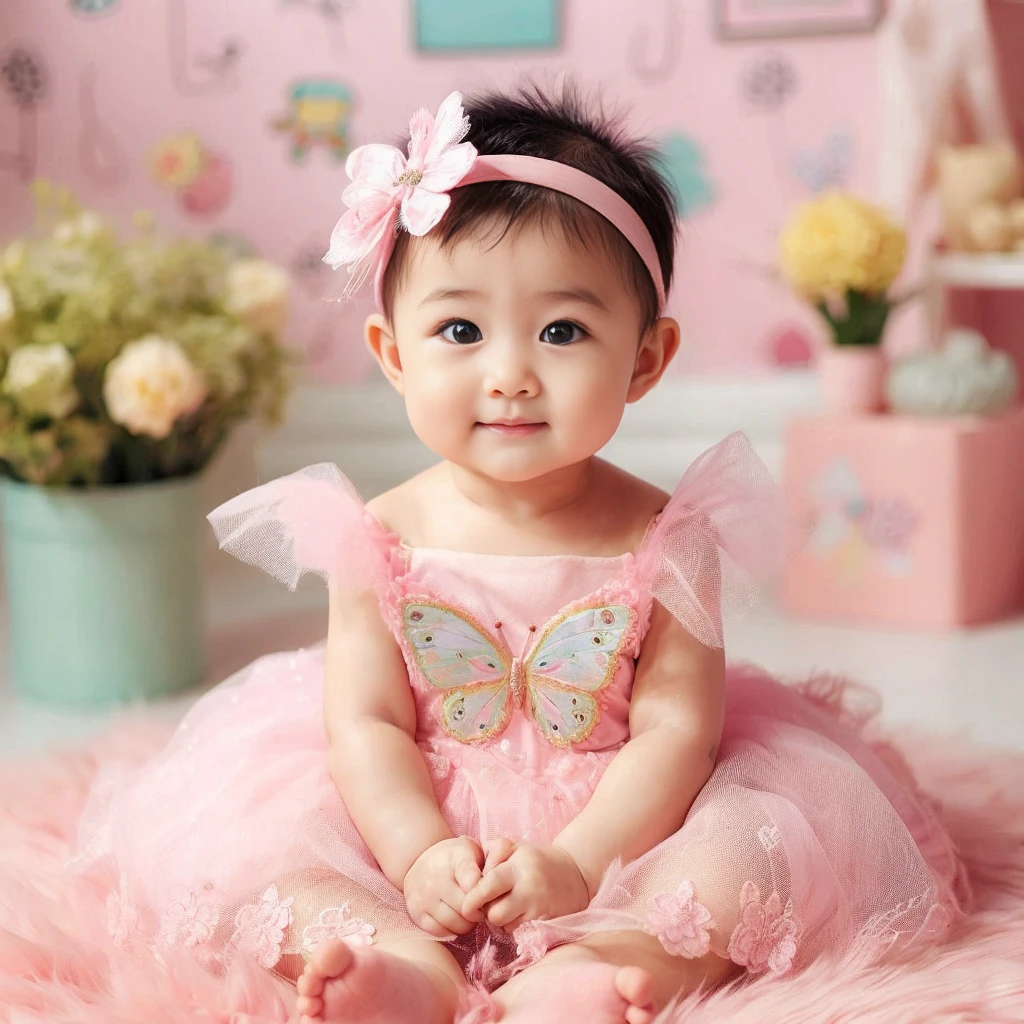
[905, 522]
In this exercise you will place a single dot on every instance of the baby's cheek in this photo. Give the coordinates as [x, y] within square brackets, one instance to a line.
[438, 418]
[593, 414]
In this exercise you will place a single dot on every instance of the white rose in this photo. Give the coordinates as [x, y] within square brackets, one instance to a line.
[41, 380]
[6, 305]
[82, 228]
[90, 225]
[258, 294]
[150, 384]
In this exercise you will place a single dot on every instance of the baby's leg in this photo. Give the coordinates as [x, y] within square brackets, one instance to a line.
[628, 975]
[609, 978]
[400, 977]
[391, 983]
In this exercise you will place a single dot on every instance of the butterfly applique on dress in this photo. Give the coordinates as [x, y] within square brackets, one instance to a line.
[556, 680]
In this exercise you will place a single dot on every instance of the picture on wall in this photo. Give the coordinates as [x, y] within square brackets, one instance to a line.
[781, 19]
[451, 25]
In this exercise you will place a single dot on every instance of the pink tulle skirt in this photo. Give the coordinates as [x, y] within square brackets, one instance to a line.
[807, 839]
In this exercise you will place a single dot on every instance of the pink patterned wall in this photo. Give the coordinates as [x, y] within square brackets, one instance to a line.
[185, 107]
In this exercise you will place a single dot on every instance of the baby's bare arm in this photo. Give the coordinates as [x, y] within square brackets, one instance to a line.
[371, 726]
[676, 716]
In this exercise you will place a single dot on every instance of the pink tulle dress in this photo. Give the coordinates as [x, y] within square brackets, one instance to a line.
[806, 839]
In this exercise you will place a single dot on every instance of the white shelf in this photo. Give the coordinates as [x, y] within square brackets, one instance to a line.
[996, 271]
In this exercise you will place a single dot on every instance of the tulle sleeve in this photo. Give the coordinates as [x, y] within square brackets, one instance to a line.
[310, 521]
[716, 542]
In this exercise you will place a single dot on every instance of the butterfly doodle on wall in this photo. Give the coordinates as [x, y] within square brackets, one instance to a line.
[768, 86]
[217, 70]
[555, 681]
[828, 166]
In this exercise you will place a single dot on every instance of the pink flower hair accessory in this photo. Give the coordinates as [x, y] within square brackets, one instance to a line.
[391, 191]
[387, 187]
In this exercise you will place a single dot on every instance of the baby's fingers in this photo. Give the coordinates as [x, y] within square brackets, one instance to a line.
[433, 927]
[497, 851]
[467, 873]
[494, 884]
[506, 914]
[451, 919]
[466, 864]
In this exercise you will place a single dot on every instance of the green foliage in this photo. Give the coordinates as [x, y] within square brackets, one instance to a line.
[77, 284]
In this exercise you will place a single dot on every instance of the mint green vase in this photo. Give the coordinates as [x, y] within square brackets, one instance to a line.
[104, 591]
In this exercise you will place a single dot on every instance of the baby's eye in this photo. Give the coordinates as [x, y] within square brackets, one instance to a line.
[461, 332]
[562, 332]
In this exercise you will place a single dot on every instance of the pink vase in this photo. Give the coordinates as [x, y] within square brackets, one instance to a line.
[853, 378]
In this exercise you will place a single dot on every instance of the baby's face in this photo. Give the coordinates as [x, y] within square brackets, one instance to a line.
[517, 358]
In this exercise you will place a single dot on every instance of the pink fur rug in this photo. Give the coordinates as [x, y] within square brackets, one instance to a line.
[57, 965]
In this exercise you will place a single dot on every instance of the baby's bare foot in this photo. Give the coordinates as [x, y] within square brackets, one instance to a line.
[367, 986]
[572, 990]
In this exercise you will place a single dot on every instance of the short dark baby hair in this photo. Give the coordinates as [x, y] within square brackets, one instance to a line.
[560, 126]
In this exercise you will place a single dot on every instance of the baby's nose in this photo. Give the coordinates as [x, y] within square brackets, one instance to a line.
[511, 374]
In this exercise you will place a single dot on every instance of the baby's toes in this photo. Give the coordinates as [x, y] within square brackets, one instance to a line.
[310, 983]
[636, 986]
[331, 959]
[635, 1015]
[308, 1008]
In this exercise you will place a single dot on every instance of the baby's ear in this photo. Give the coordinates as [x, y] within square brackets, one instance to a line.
[657, 349]
[380, 340]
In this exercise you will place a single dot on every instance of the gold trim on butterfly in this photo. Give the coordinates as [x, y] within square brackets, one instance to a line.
[610, 673]
[564, 616]
[459, 613]
[518, 674]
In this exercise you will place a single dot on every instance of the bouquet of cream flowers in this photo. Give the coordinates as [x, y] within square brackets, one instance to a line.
[843, 255]
[130, 360]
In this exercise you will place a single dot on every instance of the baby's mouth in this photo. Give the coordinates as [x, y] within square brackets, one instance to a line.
[513, 428]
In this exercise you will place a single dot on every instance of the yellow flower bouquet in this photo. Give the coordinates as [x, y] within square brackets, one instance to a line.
[843, 254]
[129, 360]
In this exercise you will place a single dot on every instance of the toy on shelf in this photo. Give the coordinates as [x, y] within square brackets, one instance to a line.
[982, 194]
[983, 247]
[963, 377]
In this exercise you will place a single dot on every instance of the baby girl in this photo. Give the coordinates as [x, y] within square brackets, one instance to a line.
[518, 781]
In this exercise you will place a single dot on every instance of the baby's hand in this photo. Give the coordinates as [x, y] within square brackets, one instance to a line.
[534, 883]
[497, 851]
[437, 883]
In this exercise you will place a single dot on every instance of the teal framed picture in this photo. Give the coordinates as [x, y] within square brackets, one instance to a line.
[452, 25]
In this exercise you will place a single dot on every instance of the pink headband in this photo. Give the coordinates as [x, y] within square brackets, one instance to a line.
[389, 190]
